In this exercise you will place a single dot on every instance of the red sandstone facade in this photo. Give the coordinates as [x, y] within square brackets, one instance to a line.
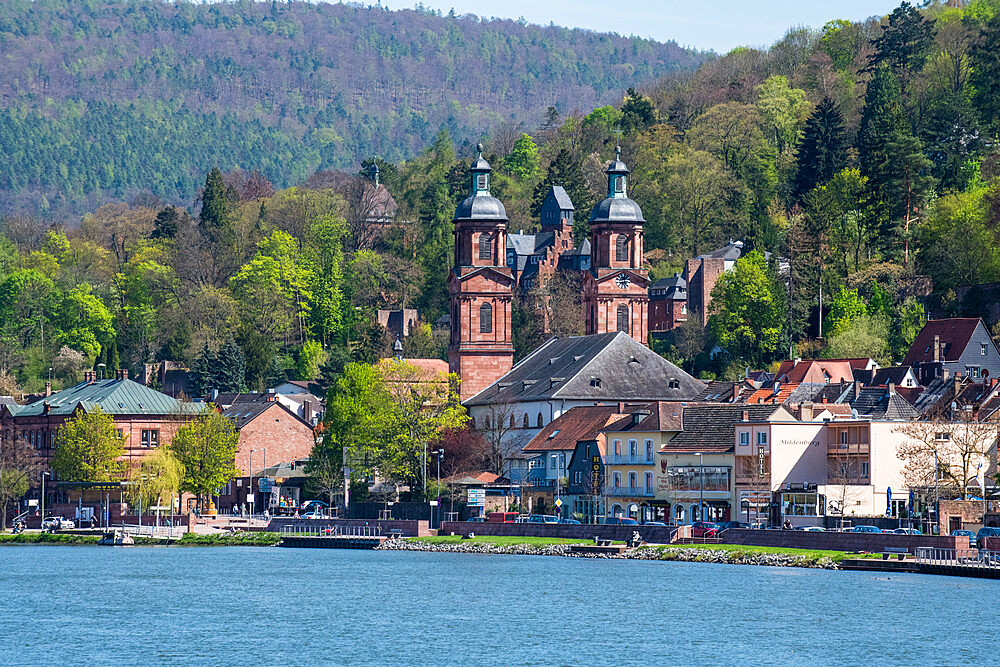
[276, 435]
[480, 288]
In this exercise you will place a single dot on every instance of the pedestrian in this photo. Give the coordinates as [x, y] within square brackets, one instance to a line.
[787, 525]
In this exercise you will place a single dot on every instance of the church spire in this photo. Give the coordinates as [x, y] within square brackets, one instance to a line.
[617, 175]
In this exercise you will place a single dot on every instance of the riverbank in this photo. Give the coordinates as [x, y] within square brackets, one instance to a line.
[694, 553]
[254, 539]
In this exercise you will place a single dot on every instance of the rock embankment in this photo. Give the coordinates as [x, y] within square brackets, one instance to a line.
[642, 553]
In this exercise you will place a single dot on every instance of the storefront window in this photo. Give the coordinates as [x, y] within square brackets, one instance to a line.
[690, 478]
[803, 504]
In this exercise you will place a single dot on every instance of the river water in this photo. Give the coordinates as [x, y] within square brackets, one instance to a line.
[272, 606]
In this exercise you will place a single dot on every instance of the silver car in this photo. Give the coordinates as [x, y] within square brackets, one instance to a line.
[57, 523]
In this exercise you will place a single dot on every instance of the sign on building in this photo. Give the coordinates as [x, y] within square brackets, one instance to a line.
[477, 498]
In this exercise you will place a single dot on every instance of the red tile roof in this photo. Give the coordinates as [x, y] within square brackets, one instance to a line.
[473, 478]
[768, 396]
[579, 423]
[954, 333]
[815, 371]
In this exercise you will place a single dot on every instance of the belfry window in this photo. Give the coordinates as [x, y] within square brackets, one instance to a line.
[485, 246]
[623, 318]
[621, 248]
[482, 182]
[619, 184]
[486, 318]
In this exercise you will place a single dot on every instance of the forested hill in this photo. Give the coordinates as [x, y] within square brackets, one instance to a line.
[108, 98]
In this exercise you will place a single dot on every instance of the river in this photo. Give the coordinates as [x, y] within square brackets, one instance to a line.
[273, 606]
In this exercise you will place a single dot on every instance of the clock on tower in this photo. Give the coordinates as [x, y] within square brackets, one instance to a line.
[622, 280]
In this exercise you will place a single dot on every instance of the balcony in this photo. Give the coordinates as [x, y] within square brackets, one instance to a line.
[748, 479]
[625, 460]
[844, 449]
[628, 491]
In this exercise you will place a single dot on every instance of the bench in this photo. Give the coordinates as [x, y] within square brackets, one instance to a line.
[601, 543]
[899, 552]
[395, 533]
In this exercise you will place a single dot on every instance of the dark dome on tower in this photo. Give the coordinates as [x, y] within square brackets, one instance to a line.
[617, 207]
[480, 205]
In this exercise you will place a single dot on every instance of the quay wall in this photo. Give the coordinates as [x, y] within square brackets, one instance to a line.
[870, 542]
[408, 528]
[651, 534]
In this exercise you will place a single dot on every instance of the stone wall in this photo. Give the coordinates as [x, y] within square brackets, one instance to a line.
[652, 534]
[285, 437]
[409, 528]
[870, 542]
[968, 512]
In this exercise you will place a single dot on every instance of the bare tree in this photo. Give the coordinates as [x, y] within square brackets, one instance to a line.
[18, 466]
[947, 453]
[755, 479]
[504, 428]
[843, 478]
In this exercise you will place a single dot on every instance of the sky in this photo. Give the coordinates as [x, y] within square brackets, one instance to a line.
[701, 24]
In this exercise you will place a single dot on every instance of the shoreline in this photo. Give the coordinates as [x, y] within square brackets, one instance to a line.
[687, 554]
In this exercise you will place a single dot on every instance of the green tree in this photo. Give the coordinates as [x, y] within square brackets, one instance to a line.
[783, 110]
[214, 217]
[822, 152]
[638, 113]
[984, 76]
[309, 359]
[845, 307]
[155, 480]
[230, 368]
[18, 467]
[748, 310]
[89, 448]
[864, 336]
[522, 163]
[904, 42]
[206, 447]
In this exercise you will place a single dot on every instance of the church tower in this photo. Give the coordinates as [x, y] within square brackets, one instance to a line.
[616, 289]
[480, 285]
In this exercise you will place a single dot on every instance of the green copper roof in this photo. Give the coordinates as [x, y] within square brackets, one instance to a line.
[116, 397]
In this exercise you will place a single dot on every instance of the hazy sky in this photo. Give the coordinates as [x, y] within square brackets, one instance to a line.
[702, 24]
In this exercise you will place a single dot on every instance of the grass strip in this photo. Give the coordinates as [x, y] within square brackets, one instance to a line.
[501, 540]
[742, 550]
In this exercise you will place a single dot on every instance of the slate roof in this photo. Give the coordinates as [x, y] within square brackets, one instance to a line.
[709, 427]
[659, 416]
[115, 397]
[616, 209]
[673, 287]
[893, 374]
[572, 426]
[480, 207]
[562, 199]
[244, 412]
[582, 249]
[937, 392]
[716, 391]
[730, 253]
[599, 367]
[878, 403]
[954, 333]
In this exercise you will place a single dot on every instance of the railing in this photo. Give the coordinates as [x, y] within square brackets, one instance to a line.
[169, 532]
[979, 558]
[623, 460]
[636, 491]
[847, 448]
[297, 530]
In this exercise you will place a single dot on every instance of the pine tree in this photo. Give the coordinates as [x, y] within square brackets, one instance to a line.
[166, 223]
[822, 152]
[230, 368]
[984, 77]
[903, 45]
[214, 206]
[203, 378]
[638, 112]
[113, 361]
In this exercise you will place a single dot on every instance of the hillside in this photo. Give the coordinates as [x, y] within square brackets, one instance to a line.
[107, 99]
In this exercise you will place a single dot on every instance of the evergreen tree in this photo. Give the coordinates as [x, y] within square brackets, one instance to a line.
[214, 215]
[113, 361]
[951, 136]
[984, 77]
[565, 170]
[230, 368]
[638, 112]
[903, 45]
[203, 379]
[166, 223]
[822, 152]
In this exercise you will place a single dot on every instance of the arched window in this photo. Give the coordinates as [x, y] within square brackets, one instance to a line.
[485, 247]
[649, 450]
[527, 422]
[623, 318]
[539, 423]
[621, 249]
[649, 482]
[678, 514]
[633, 448]
[617, 480]
[695, 514]
[616, 510]
[632, 483]
[486, 318]
[512, 421]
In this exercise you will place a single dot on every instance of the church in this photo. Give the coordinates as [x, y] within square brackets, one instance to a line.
[490, 264]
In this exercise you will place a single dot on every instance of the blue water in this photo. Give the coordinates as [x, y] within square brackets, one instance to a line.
[272, 606]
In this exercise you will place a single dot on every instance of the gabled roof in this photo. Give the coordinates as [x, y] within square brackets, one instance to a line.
[574, 425]
[242, 413]
[709, 427]
[563, 201]
[774, 395]
[115, 397]
[582, 249]
[954, 335]
[731, 252]
[659, 416]
[814, 370]
[893, 374]
[473, 478]
[879, 403]
[599, 367]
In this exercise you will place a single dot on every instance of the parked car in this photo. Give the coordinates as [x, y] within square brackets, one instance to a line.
[543, 518]
[866, 529]
[734, 524]
[907, 531]
[620, 521]
[971, 534]
[572, 521]
[477, 519]
[986, 531]
[502, 517]
[57, 523]
[314, 514]
[705, 529]
[654, 523]
[811, 529]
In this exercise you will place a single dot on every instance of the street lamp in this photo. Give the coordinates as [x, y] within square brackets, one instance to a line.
[701, 486]
[44, 473]
[102, 366]
[440, 454]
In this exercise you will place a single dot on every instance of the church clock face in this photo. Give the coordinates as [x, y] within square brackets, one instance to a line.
[622, 281]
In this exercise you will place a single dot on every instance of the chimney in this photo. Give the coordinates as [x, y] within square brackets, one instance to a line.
[806, 411]
[937, 347]
[746, 415]
[796, 361]
[89, 376]
[48, 388]
[958, 384]
[121, 374]
[892, 388]
[271, 396]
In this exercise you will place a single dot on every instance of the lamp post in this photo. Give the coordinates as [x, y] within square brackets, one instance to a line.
[44, 473]
[102, 366]
[440, 454]
[701, 486]
[250, 494]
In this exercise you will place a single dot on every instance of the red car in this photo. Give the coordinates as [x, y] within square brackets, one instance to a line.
[705, 529]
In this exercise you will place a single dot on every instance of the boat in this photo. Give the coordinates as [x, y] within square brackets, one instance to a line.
[117, 538]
